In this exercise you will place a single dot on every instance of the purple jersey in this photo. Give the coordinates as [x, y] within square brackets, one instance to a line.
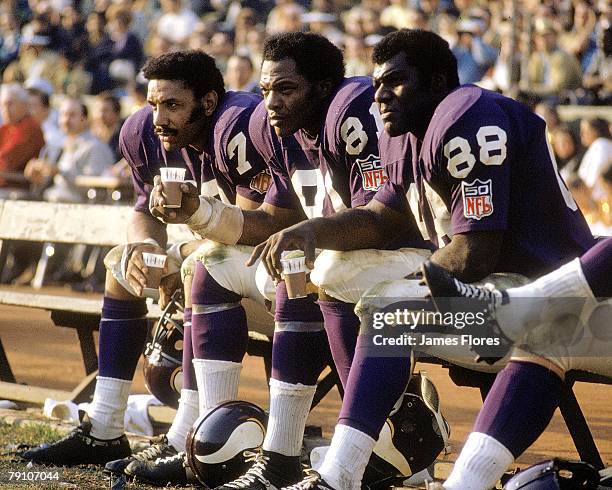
[485, 164]
[229, 165]
[337, 169]
[237, 166]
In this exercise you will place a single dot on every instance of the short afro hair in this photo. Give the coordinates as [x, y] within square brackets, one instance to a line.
[195, 69]
[316, 58]
[423, 49]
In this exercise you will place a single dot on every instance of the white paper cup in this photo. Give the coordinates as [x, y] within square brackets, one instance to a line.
[155, 264]
[294, 273]
[172, 174]
[172, 178]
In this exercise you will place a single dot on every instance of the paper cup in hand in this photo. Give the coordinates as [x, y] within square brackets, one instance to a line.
[294, 273]
[172, 178]
[155, 264]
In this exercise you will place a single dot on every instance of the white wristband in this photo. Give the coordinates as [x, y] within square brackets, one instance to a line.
[200, 219]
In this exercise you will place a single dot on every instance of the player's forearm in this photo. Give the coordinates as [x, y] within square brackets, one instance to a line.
[142, 226]
[261, 223]
[351, 229]
[471, 256]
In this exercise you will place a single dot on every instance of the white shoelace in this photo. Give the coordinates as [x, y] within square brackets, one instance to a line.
[170, 459]
[311, 480]
[152, 452]
[492, 296]
[253, 474]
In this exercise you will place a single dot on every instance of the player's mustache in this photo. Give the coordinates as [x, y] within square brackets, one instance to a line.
[164, 131]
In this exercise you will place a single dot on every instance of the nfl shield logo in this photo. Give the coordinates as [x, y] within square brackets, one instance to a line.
[477, 198]
[261, 182]
[373, 174]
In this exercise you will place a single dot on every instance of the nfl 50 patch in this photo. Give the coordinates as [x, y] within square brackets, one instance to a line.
[373, 174]
[477, 198]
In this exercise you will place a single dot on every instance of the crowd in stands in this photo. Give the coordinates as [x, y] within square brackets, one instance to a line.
[70, 71]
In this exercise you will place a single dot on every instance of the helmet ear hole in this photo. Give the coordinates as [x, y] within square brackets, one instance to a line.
[221, 442]
[163, 363]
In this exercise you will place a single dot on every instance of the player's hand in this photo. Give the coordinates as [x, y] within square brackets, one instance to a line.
[296, 237]
[189, 203]
[168, 285]
[136, 270]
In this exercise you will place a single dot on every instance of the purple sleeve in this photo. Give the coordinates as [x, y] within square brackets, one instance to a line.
[355, 140]
[476, 155]
[395, 154]
[281, 193]
[245, 166]
[132, 149]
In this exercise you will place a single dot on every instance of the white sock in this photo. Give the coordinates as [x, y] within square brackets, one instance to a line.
[552, 295]
[347, 458]
[481, 463]
[107, 410]
[289, 407]
[186, 415]
[217, 382]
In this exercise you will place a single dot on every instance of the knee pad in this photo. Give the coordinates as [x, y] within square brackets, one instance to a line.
[226, 265]
[112, 260]
[188, 265]
[347, 275]
[385, 294]
[579, 341]
[265, 285]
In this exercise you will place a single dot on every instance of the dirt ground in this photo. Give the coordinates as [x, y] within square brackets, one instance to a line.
[45, 355]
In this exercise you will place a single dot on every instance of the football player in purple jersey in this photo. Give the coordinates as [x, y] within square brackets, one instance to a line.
[191, 122]
[486, 189]
[575, 298]
[318, 133]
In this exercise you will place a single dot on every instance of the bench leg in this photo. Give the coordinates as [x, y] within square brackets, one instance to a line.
[466, 377]
[85, 389]
[579, 429]
[325, 385]
[6, 373]
[3, 255]
[88, 349]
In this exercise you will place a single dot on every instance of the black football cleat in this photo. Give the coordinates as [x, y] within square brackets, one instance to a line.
[270, 471]
[443, 288]
[79, 447]
[172, 470]
[159, 448]
[313, 481]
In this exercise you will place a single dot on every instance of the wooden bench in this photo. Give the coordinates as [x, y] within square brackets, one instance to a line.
[99, 225]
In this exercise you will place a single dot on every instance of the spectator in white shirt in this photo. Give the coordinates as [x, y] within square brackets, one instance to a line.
[40, 109]
[595, 137]
[82, 154]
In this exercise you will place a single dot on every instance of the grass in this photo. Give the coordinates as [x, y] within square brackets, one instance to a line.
[15, 438]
